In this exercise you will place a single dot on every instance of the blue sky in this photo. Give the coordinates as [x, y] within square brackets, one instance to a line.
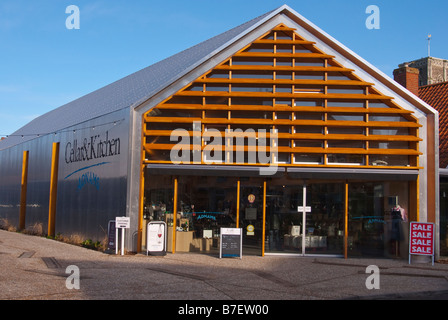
[43, 65]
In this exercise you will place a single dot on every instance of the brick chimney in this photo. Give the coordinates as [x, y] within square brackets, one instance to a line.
[407, 77]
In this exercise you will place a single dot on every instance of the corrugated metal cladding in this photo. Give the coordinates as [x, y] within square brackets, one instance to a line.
[92, 178]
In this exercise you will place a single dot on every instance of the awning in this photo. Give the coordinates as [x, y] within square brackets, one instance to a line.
[295, 173]
[353, 174]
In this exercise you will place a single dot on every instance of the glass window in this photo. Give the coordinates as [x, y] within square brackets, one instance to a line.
[308, 129]
[308, 158]
[387, 118]
[252, 61]
[205, 204]
[252, 75]
[218, 74]
[251, 114]
[388, 145]
[389, 160]
[308, 116]
[346, 104]
[308, 103]
[389, 131]
[378, 215]
[308, 143]
[346, 130]
[345, 117]
[346, 90]
[309, 62]
[251, 88]
[260, 47]
[345, 144]
[309, 76]
[346, 159]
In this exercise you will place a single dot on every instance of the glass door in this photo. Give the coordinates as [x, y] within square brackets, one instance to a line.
[304, 218]
[251, 215]
[284, 223]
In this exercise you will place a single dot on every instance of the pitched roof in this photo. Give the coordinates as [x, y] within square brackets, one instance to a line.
[436, 95]
[129, 90]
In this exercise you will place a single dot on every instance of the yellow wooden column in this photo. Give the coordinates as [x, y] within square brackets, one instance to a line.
[53, 189]
[23, 190]
[141, 209]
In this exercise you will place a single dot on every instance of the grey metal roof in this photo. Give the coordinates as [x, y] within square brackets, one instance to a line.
[131, 89]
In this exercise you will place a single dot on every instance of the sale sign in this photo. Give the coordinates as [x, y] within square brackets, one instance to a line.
[421, 238]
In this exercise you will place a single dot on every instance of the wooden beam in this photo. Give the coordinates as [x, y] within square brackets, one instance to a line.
[53, 189]
[23, 191]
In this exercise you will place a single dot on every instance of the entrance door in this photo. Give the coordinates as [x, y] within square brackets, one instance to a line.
[251, 215]
[317, 231]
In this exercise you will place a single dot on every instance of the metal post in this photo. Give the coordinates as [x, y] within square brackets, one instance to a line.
[304, 218]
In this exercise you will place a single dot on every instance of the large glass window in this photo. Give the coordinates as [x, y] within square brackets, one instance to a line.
[378, 222]
[205, 204]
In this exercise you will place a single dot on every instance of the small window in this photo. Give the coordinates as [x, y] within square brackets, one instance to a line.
[346, 159]
[300, 158]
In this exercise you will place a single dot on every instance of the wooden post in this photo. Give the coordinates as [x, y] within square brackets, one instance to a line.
[23, 190]
[53, 189]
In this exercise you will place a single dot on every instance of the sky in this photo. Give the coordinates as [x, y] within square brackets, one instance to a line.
[44, 64]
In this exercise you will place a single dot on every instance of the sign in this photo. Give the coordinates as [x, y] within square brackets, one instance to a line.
[123, 222]
[231, 243]
[111, 236]
[251, 198]
[156, 238]
[250, 230]
[301, 209]
[421, 239]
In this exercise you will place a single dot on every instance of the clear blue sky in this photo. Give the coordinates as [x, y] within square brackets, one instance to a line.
[43, 65]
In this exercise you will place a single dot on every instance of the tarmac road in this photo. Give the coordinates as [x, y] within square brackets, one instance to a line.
[34, 268]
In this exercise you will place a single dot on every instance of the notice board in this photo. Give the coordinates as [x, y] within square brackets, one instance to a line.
[156, 238]
[231, 243]
[421, 239]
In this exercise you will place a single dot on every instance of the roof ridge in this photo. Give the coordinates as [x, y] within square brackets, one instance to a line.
[433, 84]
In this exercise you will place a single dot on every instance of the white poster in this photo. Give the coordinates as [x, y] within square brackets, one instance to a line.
[156, 237]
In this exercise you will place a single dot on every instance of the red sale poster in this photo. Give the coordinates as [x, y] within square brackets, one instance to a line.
[421, 239]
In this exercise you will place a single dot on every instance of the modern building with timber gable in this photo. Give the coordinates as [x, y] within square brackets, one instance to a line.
[238, 131]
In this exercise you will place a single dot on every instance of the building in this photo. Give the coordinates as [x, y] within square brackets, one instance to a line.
[273, 127]
[426, 78]
[431, 70]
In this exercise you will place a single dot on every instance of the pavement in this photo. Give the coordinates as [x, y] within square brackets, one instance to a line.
[36, 268]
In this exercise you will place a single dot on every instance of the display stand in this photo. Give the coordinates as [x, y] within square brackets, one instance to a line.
[231, 243]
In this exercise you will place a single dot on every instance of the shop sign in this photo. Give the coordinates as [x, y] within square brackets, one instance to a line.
[302, 209]
[250, 230]
[123, 222]
[251, 198]
[231, 240]
[421, 239]
[156, 238]
[111, 236]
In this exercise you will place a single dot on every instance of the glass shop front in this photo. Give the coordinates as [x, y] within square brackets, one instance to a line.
[281, 215]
